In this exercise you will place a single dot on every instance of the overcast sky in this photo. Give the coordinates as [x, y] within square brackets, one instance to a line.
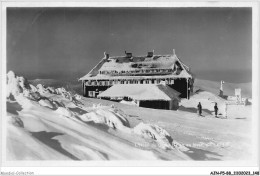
[68, 40]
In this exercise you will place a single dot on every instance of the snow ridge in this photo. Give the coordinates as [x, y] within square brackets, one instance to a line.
[28, 96]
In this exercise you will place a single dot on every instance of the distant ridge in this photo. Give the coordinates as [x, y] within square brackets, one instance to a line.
[229, 88]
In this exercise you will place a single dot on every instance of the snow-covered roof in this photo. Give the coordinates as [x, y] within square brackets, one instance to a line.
[141, 62]
[141, 92]
[136, 63]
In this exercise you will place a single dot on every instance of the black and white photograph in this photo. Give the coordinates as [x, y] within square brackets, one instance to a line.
[161, 84]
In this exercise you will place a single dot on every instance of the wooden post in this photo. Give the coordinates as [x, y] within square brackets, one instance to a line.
[187, 88]
[84, 88]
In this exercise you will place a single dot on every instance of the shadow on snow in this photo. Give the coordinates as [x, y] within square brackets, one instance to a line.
[201, 155]
[46, 138]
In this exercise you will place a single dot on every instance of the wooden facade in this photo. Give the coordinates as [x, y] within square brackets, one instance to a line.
[91, 88]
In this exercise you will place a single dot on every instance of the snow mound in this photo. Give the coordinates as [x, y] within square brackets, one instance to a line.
[34, 96]
[46, 103]
[179, 146]
[77, 97]
[17, 86]
[66, 94]
[128, 103]
[64, 112]
[33, 88]
[201, 94]
[51, 90]
[106, 116]
[13, 85]
[116, 119]
[16, 121]
[161, 136]
[41, 89]
[60, 90]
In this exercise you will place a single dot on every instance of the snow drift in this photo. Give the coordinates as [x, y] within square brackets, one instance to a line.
[49, 123]
[53, 117]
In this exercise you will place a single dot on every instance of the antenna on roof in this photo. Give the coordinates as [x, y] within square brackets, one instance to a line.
[173, 51]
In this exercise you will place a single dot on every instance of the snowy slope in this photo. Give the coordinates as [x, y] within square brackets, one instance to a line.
[61, 126]
[54, 124]
[229, 88]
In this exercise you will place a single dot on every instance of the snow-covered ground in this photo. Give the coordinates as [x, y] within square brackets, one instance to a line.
[48, 123]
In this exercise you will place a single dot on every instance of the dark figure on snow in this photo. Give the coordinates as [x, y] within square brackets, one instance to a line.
[216, 109]
[199, 109]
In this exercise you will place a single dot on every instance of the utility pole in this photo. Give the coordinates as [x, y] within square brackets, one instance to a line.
[221, 88]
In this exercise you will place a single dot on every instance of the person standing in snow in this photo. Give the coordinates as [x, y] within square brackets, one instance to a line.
[199, 109]
[216, 109]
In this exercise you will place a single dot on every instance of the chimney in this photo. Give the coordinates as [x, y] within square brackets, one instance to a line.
[150, 54]
[173, 51]
[128, 55]
[106, 56]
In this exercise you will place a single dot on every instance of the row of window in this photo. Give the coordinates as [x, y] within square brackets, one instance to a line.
[112, 82]
[136, 71]
[94, 93]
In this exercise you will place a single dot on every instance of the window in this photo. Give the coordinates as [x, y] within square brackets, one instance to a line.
[146, 82]
[91, 93]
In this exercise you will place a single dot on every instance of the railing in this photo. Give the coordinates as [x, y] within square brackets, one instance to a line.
[140, 81]
[138, 72]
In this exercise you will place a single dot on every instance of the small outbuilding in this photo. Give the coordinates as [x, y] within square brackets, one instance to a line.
[157, 96]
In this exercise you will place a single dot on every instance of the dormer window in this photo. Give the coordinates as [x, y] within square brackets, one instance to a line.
[150, 54]
[128, 55]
